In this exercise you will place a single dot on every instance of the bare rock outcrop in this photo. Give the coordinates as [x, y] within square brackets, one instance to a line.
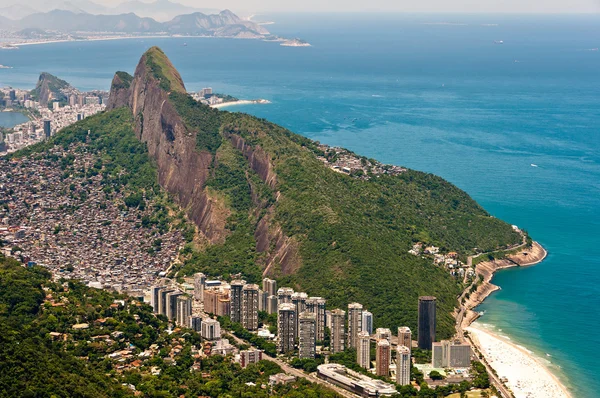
[182, 170]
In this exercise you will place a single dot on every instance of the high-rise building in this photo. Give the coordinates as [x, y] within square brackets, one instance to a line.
[307, 341]
[72, 100]
[199, 280]
[12, 95]
[328, 319]
[196, 323]
[338, 318]
[163, 303]
[270, 286]
[354, 323]
[250, 356]
[262, 300]
[367, 322]
[405, 337]
[172, 305]
[426, 322]
[155, 297]
[284, 295]
[47, 128]
[236, 300]
[363, 351]
[382, 358]
[316, 305]
[403, 365]
[383, 333]
[299, 301]
[211, 329]
[272, 304]
[286, 323]
[448, 354]
[250, 307]
[184, 311]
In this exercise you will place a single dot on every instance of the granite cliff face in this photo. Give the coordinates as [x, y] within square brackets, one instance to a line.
[182, 170]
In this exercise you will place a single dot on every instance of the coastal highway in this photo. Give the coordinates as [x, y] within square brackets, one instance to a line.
[298, 373]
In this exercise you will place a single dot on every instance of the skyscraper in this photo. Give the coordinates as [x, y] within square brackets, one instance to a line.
[306, 336]
[299, 301]
[236, 300]
[284, 295]
[184, 311]
[363, 351]
[163, 303]
[338, 318]
[403, 365]
[199, 279]
[47, 128]
[354, 323]
[286, 323]
[172, 305]
[12, 95]
[270, 286]
[250, 307]
[196, 323]
[272, 304]
[383, 358]
[316, 305]
[449, 354]
[367, 322]
[155, 297]
[405, 337]
[426, 322]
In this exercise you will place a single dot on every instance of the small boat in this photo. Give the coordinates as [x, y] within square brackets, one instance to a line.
[498, 41]
[534, 165]
[185, 44]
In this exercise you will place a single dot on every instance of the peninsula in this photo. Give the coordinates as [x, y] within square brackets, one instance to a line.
[189, 208]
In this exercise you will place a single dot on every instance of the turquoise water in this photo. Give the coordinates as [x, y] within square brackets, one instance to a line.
[11, 119]
[442, 98]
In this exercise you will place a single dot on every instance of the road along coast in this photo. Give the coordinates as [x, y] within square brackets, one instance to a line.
[514, 370]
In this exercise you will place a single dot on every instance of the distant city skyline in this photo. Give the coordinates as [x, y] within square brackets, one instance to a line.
[431, 6]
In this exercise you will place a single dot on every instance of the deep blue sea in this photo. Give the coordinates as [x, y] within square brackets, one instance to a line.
[434, 93]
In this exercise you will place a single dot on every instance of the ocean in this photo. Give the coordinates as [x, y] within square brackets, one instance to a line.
[515, 124]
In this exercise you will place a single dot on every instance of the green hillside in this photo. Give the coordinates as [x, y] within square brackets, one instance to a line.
[353, 235]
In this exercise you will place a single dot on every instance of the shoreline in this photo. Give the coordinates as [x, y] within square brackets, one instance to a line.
[521, 369]
[525, 374]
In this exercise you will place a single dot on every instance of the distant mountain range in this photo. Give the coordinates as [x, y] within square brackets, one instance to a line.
[223, 24]
[160, 10]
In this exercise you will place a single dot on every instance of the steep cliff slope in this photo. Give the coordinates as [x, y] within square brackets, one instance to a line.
[270, 206]
[49, 87]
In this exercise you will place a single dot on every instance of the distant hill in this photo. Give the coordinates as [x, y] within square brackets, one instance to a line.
[160, 10]
[223, 24]
[49, 87]
[17, 11]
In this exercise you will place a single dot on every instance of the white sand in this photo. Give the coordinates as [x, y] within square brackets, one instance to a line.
[527, 377]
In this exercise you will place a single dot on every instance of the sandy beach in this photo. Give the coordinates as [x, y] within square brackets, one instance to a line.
[525, 375]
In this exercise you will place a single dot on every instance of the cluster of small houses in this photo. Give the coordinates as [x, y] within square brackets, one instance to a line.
[78, 231]
[343, 161]
[449, 261]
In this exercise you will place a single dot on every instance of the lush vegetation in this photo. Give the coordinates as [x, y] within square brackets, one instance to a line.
[163, 71]
[125, 82]
[353, 235]
[42, 355]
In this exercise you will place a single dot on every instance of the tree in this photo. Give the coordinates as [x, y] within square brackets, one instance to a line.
[435, 375]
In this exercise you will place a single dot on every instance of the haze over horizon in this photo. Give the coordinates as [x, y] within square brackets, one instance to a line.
[432, 6]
